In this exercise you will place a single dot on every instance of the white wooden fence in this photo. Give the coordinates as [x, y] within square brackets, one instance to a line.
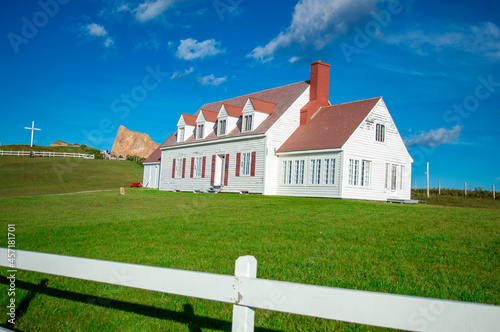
[246, 293]
[46, 154]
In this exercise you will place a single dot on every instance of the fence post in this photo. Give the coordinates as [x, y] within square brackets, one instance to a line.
[465, 188]
[244, 317]
[439, 187]
[493, 187]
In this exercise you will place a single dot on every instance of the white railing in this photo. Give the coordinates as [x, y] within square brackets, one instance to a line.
[246, 293]
[46, 154]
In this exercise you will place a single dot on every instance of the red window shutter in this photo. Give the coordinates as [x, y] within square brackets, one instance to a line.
[226, 171]
[238, 162]
[192, 166]
[183, 168]
[212, 176]
[203, 167]
[252, 169]
[173, 169]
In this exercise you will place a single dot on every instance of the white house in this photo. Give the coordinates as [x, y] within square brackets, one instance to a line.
[286, 141]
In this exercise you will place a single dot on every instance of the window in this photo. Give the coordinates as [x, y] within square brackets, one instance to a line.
[247, 123]
[199, 131]
[222, 127]
[359, 172]
[401, 177]
[316, 171]
[387, 170]
[198, 165]
[299, 172]
[245, 163]
[380, 133]
[178, 167]
[365, 173]
[394, 177]
[330, 171]
[181, 134]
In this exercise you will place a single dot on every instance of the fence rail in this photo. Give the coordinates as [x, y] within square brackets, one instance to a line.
[46, 154]
[246, 292]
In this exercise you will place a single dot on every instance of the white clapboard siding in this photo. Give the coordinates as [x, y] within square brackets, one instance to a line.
[363, 146]
[308, 189]
[236, 184]
[281, 130]
[151, 175]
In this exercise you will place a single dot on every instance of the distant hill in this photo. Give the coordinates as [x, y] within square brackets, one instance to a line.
[62, 143]
[24, 176]
[74, 149]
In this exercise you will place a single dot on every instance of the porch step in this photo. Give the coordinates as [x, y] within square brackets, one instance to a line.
[214, 189]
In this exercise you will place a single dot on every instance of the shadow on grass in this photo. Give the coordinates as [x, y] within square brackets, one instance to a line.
[188, 317]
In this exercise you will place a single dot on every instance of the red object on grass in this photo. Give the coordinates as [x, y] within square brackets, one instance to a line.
[135, 185]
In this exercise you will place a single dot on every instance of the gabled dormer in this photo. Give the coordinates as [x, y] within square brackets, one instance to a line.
[227, 118]
[254, 113]
[205, 123]
[185, 127]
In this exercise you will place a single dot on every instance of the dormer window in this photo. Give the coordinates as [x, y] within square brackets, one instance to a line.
[380, 133]
[222, 127]
[181, 134]
[247, 123]
[199, 131]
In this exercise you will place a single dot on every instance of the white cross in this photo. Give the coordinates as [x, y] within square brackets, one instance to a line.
[32, 130]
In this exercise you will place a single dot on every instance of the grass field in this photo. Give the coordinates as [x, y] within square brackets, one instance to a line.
[24, 176]
[432, 251]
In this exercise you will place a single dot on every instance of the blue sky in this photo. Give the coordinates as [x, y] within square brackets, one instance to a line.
[80, 69]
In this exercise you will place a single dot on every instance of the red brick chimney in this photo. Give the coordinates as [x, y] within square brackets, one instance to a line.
[318, 91]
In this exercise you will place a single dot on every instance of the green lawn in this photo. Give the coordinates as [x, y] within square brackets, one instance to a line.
[432, 251]
[24, 176]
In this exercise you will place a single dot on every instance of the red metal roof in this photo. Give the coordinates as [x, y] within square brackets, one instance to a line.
[283, 97]
[330, 127]
[189, 119]
[262, 105]
[155, 156]
[210, 116]
[233, 111]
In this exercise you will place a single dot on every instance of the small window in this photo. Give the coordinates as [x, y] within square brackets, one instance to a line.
[387, 175]
[245, 163]
[247, 123]
[394, 177]
[330, 171]
[181, 134]
[380, 134]
[359, 172]
[222, 127]
[316, 171]
[199, 131]
[198, 162]
[401, 178]
[178, 167]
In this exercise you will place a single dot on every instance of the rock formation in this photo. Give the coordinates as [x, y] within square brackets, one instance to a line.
[61, 143]
[133, 143]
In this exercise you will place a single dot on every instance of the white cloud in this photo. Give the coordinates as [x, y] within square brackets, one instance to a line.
[190, 49]
[316, 23]
[97, 30]
[108, 42]
[181, 74]
[483, 39]
[293, 59]
[212, 80]
[152, 42]
[435, 137]
[151, 9]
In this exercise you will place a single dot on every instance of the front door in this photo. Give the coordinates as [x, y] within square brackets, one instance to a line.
[219, 170]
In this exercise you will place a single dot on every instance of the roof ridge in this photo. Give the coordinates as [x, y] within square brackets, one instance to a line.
[351, 102]
[278, 87]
